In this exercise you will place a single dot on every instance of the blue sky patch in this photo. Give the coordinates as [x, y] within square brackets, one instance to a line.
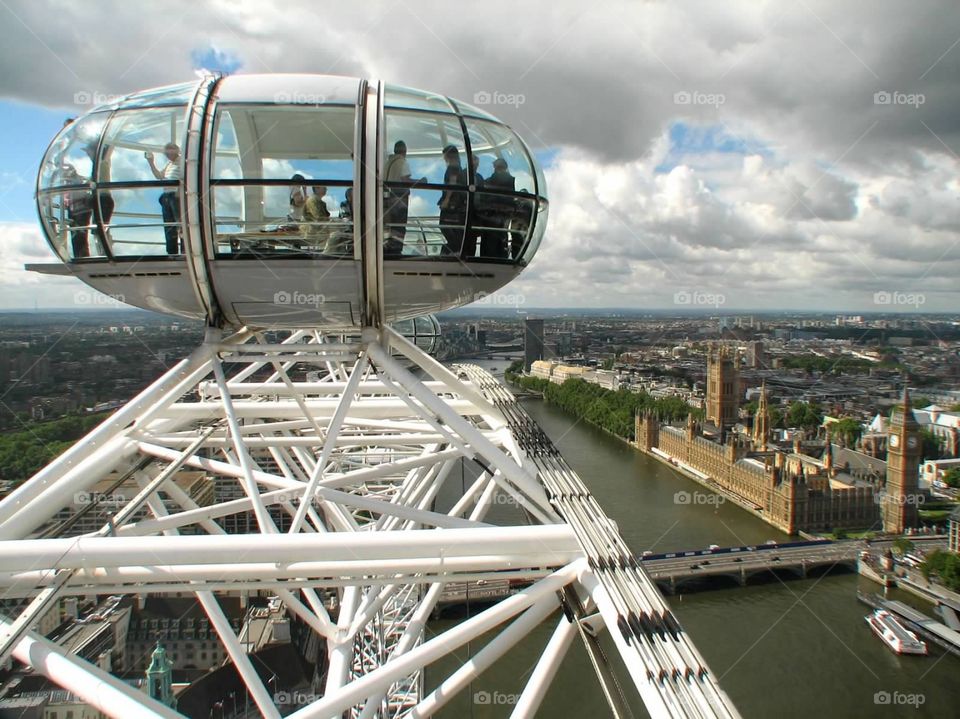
[31, 128]
[692, 140]
[213, 58]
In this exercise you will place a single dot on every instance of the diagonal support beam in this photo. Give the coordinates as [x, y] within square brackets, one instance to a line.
[95, 687]
[545, 670]
[336, 422]
[380, 679]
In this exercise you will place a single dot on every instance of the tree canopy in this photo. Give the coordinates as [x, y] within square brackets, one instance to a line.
[931, 444]
[847, 430]
[24, 453]
[611, 410]
[952, 477]
[804, 414]
[943, 565]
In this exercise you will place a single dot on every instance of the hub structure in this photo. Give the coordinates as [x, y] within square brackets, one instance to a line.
[359, 484]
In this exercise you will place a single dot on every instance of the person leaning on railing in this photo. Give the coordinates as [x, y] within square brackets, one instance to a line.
[169, 199]
[396, 200]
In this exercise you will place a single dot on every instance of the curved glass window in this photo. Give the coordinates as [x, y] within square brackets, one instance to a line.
[471, 110]
[438, 202]
[283, 180]
[541, 180]
[69, 160]
[141, 221]
[69, 220]
[425, 178]
[536, 237]
[501, 160]
[499, 227]
[413, 99]
[179, 94]
[129, 202]
[134, 138]
[268, 220]
[68, 215]
[426, 222]
[415, 142]
[139, 175]
[424, 331]
[278, 142]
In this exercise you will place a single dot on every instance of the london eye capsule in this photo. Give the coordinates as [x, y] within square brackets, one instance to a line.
[288, 201]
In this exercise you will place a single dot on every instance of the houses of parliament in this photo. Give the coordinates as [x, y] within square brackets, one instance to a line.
[795, 488]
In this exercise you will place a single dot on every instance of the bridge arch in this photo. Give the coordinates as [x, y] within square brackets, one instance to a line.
[702, 582]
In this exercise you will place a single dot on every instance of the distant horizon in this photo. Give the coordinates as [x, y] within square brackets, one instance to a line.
[500, 311]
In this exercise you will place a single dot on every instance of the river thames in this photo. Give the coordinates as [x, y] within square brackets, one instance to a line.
[795, 648]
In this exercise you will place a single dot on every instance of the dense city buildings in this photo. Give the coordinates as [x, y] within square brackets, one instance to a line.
[849, 366]
[54, 364]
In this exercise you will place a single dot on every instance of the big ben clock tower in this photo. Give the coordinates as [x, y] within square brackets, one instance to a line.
[901, 495]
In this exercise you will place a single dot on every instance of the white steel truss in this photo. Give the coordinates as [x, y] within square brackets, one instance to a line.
[338, 455]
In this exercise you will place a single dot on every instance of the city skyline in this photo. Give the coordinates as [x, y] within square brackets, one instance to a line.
[794, 157]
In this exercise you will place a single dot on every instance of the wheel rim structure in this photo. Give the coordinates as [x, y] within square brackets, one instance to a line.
[371, 445]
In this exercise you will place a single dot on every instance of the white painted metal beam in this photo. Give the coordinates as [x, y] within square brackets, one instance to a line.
[95, 687]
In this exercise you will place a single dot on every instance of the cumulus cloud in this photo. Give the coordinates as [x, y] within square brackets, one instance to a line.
[643, 235]
[21, 244]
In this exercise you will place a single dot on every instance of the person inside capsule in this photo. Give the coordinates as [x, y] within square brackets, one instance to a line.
[497, 212]
[452, 203]
[106, 204]
[169, 199]
[79, 207]
[298, 198]
[315, 216]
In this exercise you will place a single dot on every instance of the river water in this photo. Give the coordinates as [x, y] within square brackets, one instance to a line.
[796, 648]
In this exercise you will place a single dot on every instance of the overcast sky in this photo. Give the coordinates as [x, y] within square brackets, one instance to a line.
[797, 155]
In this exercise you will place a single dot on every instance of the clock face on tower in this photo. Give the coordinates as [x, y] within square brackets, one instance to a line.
[894, 441]
[912, 442]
